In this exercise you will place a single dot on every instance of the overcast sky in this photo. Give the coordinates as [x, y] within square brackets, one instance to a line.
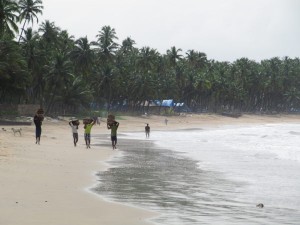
[225, 30]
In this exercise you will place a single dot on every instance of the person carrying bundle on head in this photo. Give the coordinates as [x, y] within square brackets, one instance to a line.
[88, 124]
[38, 119]
[74, 125]
[113, 126]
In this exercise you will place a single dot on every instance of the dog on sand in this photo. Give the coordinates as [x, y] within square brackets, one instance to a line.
[17, 131]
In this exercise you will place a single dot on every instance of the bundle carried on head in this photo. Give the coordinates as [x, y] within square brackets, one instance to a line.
[75, 122]
[40, 114]
[110, 119]
[87, 121]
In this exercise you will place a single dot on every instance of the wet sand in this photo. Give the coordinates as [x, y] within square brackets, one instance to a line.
[206, 178]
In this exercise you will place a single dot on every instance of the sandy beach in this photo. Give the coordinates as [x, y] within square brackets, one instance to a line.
[47, 184]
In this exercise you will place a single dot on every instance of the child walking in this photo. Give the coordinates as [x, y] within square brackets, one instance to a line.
[74, 131]
[87, 133]
[113, 127]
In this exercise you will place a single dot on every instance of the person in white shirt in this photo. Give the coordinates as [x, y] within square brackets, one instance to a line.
[75, 132]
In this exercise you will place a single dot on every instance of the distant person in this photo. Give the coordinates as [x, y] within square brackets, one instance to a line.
[166, 121]
[113, 127]
[95, 118]
[147, 130]
[75, 132]
[87, 133]
[38, 128]
[98, 120]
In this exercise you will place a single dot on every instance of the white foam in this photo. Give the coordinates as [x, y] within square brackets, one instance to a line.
[277, 140]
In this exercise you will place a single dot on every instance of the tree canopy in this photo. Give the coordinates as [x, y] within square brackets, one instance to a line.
[51, 68]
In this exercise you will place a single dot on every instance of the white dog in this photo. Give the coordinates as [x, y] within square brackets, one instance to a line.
[17, 131]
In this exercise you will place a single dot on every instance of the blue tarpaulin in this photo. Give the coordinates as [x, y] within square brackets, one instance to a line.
[167, 103]
[177, 106]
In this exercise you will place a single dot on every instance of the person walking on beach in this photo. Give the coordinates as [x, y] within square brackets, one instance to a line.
[166, 121]
[75, 132]
[38, 128]
[87, 133]
[113, 127]
[147, 130]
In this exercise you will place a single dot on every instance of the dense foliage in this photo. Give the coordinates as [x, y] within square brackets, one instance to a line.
[50, 68]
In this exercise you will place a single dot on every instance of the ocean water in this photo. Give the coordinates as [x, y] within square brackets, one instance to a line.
[209, 176]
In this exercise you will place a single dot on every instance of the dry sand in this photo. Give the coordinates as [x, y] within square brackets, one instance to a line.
[47, 184]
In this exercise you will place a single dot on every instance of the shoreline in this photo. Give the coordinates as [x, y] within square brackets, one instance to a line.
[50, 183]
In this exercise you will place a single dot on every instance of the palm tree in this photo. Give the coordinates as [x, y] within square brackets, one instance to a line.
[28, 11]
[82, 55]
[65, 41]
[105, 75]
[173, 55]
[58, 77]
[196, 59]
[8, 17]
[141, 85]
[143, 88]
[147, 59]
[35, 61]
[13, 72]
[29, 45]
[106, 42]
[174, 69]
[292, 97]
[126, 59]
[127, 45]
[49, 32]
[74, 95]
[273, 85]
[103, 82]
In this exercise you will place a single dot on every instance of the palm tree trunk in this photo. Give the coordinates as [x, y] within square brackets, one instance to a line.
[22, 32]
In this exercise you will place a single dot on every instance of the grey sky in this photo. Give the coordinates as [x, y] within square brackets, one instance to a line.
[224, 29]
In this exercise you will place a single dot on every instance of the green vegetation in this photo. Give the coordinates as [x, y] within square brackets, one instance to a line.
[8, 113]
[63, 75]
